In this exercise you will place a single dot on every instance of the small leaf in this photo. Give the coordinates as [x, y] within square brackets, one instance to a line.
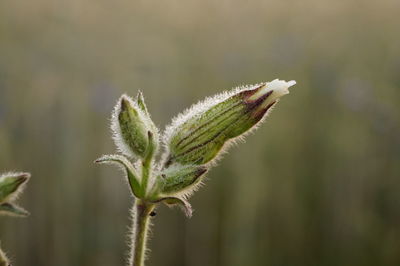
[177, 179]
[130, 171]
[11, 185]
[12, 210]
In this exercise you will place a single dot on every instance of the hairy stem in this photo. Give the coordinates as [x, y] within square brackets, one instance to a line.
[145, 175]
[140, 230]
[3, 259]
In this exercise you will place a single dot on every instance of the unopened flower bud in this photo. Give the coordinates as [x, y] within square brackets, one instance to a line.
[11, 185]
[132, 127]
[198, 136]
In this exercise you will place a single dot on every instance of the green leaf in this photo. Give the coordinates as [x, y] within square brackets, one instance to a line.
[132, 176]
[12, 210]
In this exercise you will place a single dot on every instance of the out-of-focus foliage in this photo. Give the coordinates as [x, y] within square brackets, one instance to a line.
[324, 186]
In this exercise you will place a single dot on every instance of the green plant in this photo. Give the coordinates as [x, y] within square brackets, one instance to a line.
[193, 143]
[11, 185]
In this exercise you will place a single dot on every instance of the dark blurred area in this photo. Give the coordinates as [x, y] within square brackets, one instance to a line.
[318, 184]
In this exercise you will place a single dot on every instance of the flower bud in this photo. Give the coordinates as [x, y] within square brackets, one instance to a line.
[178, 179]
[11, 185]
[132, 126]
[198, 136]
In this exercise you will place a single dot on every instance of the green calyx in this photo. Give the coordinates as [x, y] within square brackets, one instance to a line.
[133, 128]
[178, 179]
[200, 139]
[131, 124]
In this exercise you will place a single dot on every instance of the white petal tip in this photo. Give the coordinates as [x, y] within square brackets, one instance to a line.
[291, 83]
[279, 88]
[280, 85]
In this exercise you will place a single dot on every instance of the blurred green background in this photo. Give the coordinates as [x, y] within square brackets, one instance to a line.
[318, 184]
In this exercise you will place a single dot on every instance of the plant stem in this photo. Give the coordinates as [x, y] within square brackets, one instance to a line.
[145, 175]
[147, 161]
[140, 229]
